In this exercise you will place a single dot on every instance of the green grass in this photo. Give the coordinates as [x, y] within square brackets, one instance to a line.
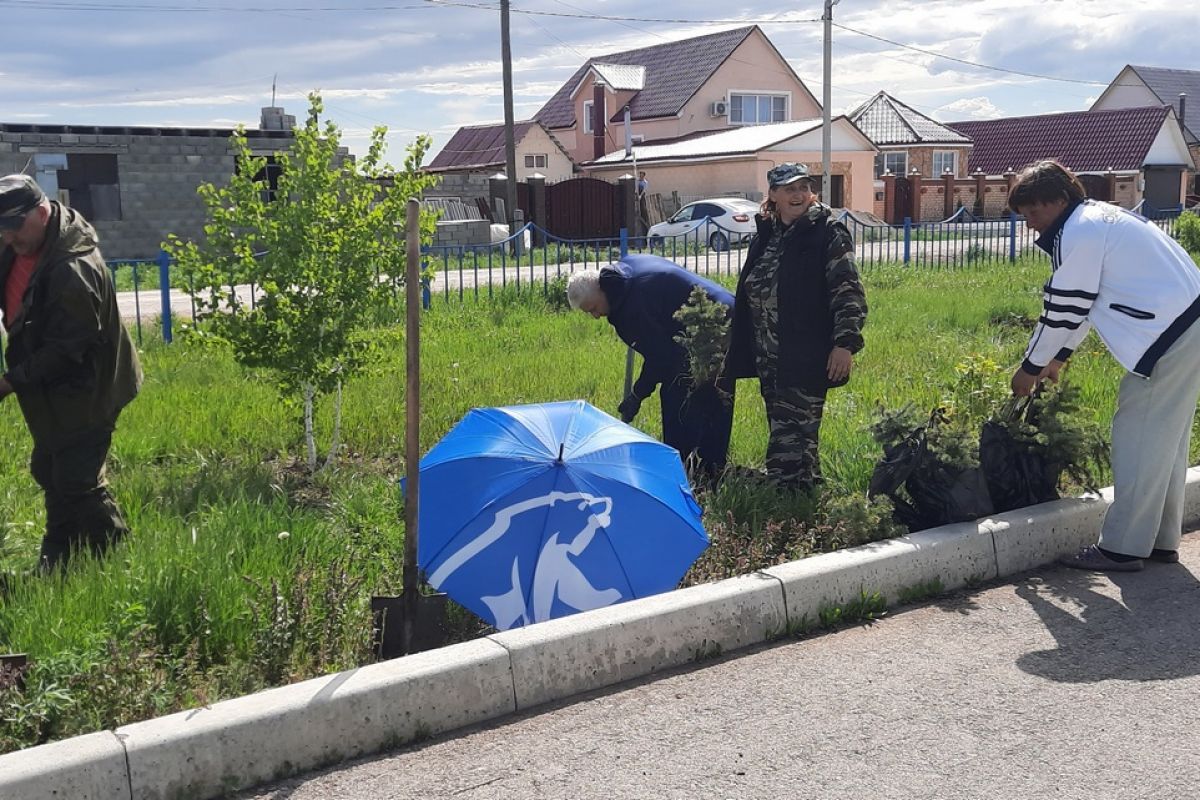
[208, 599]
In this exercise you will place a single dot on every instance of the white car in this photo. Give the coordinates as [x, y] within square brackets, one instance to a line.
[718, 222]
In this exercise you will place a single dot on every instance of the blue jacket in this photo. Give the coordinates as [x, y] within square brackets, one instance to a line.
[643, 293]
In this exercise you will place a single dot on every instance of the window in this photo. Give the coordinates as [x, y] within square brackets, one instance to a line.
[945, 161]
[535, 161]
[267, 177]
[757, 109]
[588, 105]
[90, 181]
[895, 163]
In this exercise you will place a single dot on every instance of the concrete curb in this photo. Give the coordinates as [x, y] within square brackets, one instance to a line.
[253, 740]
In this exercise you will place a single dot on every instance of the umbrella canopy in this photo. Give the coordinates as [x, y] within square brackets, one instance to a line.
[539, 511]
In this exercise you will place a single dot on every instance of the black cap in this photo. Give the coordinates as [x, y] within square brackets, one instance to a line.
[19, 194]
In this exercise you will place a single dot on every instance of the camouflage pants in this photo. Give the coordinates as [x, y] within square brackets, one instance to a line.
[80, 511]
[794, 420]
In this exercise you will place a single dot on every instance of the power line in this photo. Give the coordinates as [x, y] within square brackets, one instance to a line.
[936, 54]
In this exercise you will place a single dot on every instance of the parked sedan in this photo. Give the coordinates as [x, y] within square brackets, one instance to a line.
[732, 220]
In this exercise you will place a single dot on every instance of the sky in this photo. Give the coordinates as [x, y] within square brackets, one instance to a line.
[430, 66]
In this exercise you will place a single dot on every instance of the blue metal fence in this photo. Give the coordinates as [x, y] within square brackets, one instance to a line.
[533, 258]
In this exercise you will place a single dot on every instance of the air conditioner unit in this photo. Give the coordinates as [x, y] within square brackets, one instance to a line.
[720, 108]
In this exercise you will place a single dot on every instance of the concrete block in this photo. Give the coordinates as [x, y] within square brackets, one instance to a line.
[563, 657]
[952, 554]
[1037, 535]
[261, 738]
[90, 767]
[1191, 498]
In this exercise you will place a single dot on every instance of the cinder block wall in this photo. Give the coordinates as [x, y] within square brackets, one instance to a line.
[460, 233]
[158, 177]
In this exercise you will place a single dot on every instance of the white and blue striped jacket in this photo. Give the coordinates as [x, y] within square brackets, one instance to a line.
[1118, 273]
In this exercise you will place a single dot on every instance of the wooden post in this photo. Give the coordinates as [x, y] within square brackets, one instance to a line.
[412, 427]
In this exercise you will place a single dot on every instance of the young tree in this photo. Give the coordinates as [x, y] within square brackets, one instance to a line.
[324, 251]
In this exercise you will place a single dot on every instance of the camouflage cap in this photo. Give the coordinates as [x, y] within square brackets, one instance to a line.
[786, 173]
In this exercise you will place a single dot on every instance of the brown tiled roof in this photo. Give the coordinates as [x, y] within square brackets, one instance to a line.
[1083, 141]
[477, 146]
[885, 120]
[674, 72]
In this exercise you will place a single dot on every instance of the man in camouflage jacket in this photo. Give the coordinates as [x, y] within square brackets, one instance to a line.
[70, 363]
[798, 319]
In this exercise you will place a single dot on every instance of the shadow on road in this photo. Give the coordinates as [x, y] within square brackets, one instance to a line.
[1148, 633]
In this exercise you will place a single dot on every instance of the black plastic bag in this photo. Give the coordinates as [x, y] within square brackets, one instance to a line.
[936, 494]
[1018, 475]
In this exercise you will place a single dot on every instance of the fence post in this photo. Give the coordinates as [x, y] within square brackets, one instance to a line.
[907, 238]
[164, 287]
[1012, 235]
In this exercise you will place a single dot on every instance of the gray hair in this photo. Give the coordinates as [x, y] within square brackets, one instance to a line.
[583, 285]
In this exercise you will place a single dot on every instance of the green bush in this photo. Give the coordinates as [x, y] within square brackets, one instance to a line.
[1187, 231]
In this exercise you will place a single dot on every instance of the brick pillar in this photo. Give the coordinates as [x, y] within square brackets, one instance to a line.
[980, 207]
[947, 194]
[537, 205]
[1112, 186]
[1010, 178]
[914, 180]
[889, 197]
[598, 120]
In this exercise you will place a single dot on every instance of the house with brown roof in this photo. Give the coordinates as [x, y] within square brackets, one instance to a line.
[714, 82]
[1156, 86]
[479, 150]
[1123, 155]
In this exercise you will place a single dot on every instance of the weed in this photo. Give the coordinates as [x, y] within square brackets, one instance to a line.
[867, 607]
[921, 591]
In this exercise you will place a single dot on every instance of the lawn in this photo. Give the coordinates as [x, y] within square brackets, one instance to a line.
[243, 572]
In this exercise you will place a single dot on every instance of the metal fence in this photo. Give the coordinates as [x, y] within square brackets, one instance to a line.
[533, 259]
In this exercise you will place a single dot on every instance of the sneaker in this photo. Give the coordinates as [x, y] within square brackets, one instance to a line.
[1164, 556]
[1091, 558]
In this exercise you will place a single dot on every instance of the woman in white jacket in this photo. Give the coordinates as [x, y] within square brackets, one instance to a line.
[1120, 274]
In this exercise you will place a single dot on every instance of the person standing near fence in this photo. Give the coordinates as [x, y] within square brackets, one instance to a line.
[798, 320]
[639, 296]
[1117, 272]
[70, 363]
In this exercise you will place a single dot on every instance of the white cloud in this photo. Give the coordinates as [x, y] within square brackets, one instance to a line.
[969, 108]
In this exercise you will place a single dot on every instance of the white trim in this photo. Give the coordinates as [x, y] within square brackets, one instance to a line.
[589, 129]
[932, 163]
[786, 94]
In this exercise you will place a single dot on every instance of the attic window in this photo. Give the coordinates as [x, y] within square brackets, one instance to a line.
[757, 109]
[535, 161]
[588, 122]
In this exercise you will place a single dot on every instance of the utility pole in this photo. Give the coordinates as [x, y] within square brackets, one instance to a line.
[826, 99]
[510, 144]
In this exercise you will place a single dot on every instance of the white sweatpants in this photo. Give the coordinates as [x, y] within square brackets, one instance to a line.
[1150, 437]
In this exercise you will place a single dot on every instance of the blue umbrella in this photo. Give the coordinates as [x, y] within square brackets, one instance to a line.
[539, 511]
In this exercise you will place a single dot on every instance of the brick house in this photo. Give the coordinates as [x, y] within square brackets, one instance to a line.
[909, 143]
[1123, 155]
[136, 185]
[1155, 86]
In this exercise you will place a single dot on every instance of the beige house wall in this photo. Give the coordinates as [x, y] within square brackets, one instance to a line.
[753, 66]
[538, 142]
[695, 179]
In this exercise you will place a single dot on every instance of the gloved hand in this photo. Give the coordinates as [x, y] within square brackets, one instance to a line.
[629, 407]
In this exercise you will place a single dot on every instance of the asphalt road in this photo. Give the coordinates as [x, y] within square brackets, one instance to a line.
[1060, 684]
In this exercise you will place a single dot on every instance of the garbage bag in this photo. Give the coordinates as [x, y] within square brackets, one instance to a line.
[934, 494]
[1017, 475]
[941, 495]
[897, 465]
